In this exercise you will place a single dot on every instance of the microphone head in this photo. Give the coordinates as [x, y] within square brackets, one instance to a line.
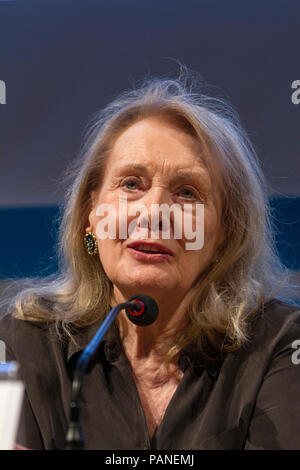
[148, 312]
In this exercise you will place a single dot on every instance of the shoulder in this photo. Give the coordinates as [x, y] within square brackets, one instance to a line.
[277, 320]
[280, 311]
[21, 337]
[274, 332]
[270, 347]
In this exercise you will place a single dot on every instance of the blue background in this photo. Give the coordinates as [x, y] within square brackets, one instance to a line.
[63, 60]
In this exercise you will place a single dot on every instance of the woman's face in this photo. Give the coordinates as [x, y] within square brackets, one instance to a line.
[156, 162]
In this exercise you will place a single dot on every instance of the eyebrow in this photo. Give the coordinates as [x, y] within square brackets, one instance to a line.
[180, 174]
[133, 166]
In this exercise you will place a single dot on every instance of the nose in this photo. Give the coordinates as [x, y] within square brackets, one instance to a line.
[156, 217]
[156, 196]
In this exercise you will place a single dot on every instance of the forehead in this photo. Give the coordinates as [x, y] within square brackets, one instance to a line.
[156, 142]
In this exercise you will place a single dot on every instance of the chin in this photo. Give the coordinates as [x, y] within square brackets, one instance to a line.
[146, 285]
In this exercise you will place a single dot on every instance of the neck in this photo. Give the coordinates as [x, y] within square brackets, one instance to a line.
[153, 341]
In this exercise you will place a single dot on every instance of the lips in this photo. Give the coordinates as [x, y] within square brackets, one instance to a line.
[150, 248]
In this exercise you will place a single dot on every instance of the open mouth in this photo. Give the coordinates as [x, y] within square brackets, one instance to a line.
[150, 249]
[149, 252]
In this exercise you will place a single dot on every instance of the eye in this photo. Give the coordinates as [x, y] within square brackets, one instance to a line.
[130, 184]
[188, 193]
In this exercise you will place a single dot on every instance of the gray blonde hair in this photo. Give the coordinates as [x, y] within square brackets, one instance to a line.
[229, 292]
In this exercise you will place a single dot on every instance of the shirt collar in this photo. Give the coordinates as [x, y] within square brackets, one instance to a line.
[191, 355]
[112, 347]
[110, 342]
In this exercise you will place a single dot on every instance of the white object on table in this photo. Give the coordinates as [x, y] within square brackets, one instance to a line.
[11, 398]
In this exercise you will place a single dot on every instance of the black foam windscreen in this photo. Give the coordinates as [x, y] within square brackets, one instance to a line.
[146, 313]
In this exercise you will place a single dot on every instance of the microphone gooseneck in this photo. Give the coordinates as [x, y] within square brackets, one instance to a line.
[141, 310]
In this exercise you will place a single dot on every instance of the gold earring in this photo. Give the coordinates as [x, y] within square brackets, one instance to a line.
[91, 243]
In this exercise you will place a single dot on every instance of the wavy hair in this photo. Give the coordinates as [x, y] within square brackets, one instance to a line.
[228, 293]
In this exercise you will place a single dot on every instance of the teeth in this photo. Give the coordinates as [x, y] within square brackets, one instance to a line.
[147, 248]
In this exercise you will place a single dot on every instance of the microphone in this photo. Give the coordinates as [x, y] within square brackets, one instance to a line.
[141, 310]
[147, 310]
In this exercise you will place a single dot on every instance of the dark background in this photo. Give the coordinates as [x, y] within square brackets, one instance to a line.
[63, 60]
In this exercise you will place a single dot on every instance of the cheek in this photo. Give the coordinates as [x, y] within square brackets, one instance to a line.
[120, 220]
[211, 224]
[109, 256]
[201, 232]
[196, 260]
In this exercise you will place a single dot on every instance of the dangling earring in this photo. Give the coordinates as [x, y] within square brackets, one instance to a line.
[91, 243]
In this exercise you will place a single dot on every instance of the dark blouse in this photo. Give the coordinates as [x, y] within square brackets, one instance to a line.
[249, 400]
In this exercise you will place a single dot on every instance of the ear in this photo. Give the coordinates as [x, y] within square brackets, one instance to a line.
[93, 195]
[91, 215]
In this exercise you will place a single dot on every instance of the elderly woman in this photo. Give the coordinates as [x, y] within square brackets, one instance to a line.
[215, 370]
